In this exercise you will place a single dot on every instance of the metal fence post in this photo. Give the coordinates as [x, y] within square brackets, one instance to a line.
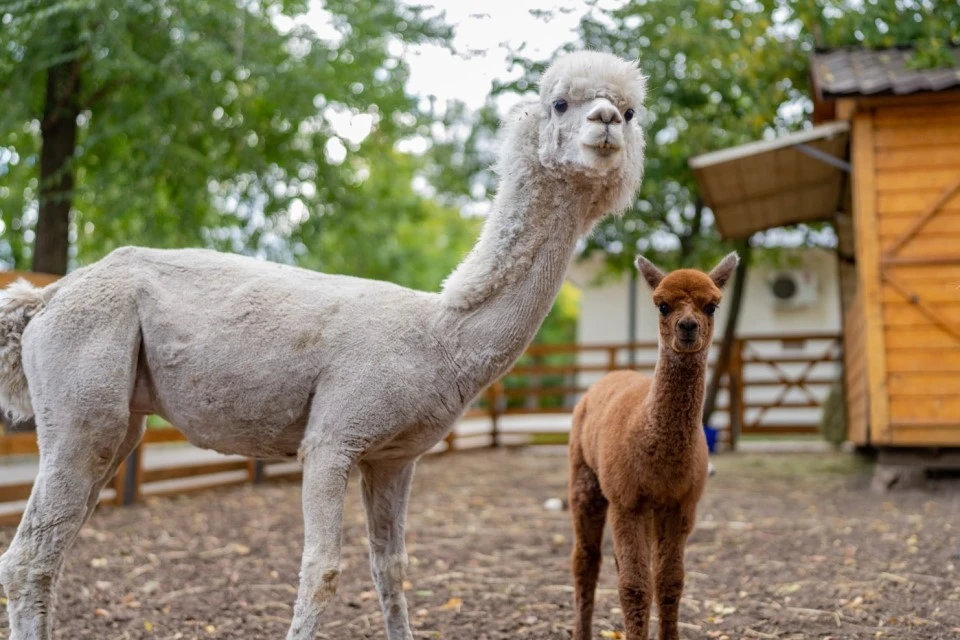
[257, 471]
[736, 391]
[129, 485]
[494, 395]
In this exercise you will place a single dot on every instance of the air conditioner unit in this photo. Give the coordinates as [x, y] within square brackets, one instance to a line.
[794, 289]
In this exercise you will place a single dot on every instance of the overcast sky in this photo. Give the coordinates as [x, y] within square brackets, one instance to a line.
[484, 31]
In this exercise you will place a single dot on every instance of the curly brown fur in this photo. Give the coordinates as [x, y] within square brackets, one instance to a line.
[638, 456]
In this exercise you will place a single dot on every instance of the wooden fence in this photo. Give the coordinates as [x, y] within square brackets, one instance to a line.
[133, 482]
[773, 386]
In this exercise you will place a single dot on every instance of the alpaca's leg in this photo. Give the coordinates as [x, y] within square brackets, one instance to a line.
[80, 360]
[673, 526]
[386, 489]
[135, 430]
[75, 463]
[632, 548]
[136, 426]
[325, 473]
[589, 510]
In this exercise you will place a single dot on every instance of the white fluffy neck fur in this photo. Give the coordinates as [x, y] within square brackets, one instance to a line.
[535, 210]
[499, 295]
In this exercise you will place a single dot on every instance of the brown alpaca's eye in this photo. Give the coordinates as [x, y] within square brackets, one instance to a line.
[560, 105]
[628, 115]
[664, 308]
[710, 309]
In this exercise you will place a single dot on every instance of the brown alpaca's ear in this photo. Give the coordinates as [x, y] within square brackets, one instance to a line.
[650, 272]
[722, 272]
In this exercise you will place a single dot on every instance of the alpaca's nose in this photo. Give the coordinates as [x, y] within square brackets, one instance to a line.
[688, 325]
[606, 113]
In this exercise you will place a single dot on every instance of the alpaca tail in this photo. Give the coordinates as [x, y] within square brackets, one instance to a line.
[19, 302]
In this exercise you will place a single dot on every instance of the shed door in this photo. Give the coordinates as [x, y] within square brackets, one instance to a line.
[917, 164]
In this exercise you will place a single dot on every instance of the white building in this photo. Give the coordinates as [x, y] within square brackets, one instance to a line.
[813, 308]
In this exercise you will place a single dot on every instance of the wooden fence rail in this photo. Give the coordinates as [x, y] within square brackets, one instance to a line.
[773, 386]
[133, 481]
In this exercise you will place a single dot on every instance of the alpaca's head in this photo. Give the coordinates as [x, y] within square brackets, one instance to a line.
[687, 300]
[586, 126]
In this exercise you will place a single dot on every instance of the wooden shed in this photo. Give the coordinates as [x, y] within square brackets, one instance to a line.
[883, 164]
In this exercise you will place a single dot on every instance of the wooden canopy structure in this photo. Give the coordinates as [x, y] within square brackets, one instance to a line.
[774, 183]
[882, 164]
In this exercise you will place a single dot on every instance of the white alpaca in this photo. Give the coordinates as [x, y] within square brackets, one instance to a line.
[268, 360]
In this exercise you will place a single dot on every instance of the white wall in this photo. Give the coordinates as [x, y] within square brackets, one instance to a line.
[603, 309]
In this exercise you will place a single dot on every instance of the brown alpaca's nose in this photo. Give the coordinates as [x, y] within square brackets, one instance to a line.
[605, 113]
[688, 326]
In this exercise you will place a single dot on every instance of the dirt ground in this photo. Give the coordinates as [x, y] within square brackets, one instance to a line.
[787, 546]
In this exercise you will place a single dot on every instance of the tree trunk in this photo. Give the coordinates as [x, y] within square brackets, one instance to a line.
[689, 239]
[59, 141]
[729, 332]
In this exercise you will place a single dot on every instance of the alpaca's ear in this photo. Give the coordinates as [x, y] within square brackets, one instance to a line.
[650, 272]
[722, 272]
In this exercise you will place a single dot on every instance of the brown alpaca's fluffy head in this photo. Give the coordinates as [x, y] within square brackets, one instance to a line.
[687, 300]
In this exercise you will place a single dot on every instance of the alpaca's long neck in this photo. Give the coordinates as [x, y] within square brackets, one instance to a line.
[495, 301]
[676, 395]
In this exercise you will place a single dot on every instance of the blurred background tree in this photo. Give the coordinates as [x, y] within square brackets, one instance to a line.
[929, 27]
[217, 123]
[235, 125]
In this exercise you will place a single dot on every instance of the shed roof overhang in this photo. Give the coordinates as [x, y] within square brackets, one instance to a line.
[798, 177]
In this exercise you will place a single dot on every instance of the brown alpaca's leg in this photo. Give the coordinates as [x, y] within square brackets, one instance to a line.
[633, 570]
[673, 526]
[589, 509]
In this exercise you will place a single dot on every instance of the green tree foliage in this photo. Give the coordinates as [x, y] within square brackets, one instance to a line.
[406, 238]
[720, 77]
[833, 420]
[724, 73]
[217, 123]
[930, 27]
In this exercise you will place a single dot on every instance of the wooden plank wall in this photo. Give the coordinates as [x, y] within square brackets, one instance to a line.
[917, 160]
[855, 371]
[863, 151]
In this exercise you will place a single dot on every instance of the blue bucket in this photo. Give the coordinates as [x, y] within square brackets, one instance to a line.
[711, 435]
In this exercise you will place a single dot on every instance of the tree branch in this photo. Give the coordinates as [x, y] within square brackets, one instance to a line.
[688, 240]
[100, 94]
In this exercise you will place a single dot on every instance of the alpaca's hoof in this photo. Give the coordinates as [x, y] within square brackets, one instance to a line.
[711, 470]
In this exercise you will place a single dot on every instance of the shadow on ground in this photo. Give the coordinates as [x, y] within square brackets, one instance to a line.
[787, 546]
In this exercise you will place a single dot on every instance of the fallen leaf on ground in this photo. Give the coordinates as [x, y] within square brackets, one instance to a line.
[453, 604]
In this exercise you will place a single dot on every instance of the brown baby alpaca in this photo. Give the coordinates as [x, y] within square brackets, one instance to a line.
[637, 450]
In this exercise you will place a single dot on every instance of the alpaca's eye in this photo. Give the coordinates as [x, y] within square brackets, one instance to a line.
[710, 309]
[664, 308]
[560, 105]
[628, 115]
